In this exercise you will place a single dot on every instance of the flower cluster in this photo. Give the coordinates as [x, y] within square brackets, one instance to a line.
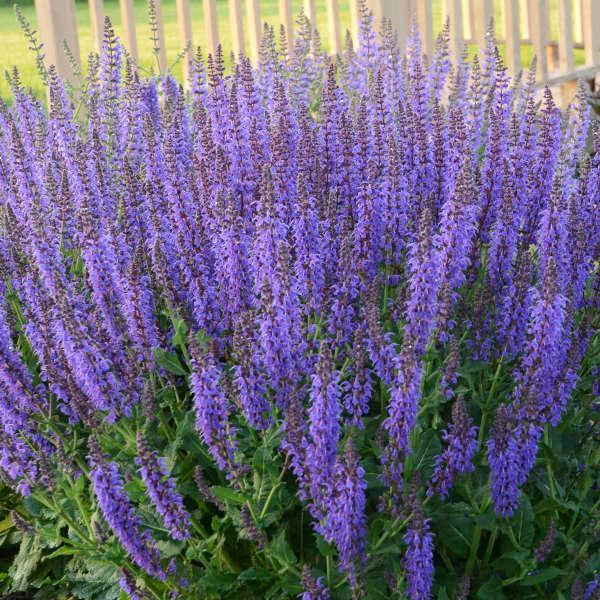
[298, 256]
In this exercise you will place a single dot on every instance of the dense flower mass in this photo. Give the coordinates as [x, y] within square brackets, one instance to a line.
[307, 282]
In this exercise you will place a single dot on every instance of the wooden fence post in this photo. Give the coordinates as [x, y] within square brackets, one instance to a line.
[97, 22]
[538, 24]
[287, 20]
[484, 12]
[254, 28]
[184, 21]
[566, 63]
[591, 31]
[453, 9]
[211, 25]
[128, 24]
[310, 12]
[237, 27]
[577, 22]
[333, 26]
[57, 26]
[424, 13]
[512, 37]
[469, 29]
[354, 21]
[398, 12]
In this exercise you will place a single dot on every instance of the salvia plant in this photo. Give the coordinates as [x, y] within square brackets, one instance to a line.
[326, 327]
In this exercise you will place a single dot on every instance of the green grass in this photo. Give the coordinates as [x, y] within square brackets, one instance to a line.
[13, 47]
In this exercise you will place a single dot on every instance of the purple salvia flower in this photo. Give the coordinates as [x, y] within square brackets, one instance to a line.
[367, 235]
[249, 380]
[130, 587]
[382, 351]
[402, 415]
[212, 409]
[295, 442]
[450, 370]
[314, 589]
[138, 308]
[323, 433]
[346, 517]
[120, 514]
[592, 590]
[418, 560]
[162, 491]
[423, 263]
[504, 462]
[541, 178]
[279, 324]
[453, 244]
[308, 267]
[495, 148]
[460, 446]
[358, 396]
[546, 545]
[231, 252]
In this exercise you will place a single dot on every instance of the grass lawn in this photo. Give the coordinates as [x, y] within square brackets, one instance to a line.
[13, 48]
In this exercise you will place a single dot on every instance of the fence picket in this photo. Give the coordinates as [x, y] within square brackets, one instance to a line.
[591, 31]
[254, 28]
[184, 22]
[311, 13]
[333, 26]
[57, 26]
[97, 22]
[512, 36]
[468, 8]
[453, 10]
[538, 24]
[483, 14]
[287, 20]
[211, 25]
[424, 12]
[237, 26]
[565, 36]
[128, 26]
[577, 23]
[398, 12]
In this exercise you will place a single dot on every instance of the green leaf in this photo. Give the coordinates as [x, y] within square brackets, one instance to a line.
[427, 447]
[228, 495]
[32, 506]
[454, 527]
[62, 551]
[217, 582]
[543, 575]
[491, 590]
[324, 548]
[282, 550]
[30, 553]
[255, 574]
[169, 361]
[180, 335]
[522, 522]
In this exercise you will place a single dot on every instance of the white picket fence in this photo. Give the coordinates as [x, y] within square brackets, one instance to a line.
[525, 22]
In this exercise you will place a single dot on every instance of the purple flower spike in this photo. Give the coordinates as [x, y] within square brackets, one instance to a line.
[162, 491]
[461, 444]
[212, 410]
[120, 514]
[418, 560]
[323, 434]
